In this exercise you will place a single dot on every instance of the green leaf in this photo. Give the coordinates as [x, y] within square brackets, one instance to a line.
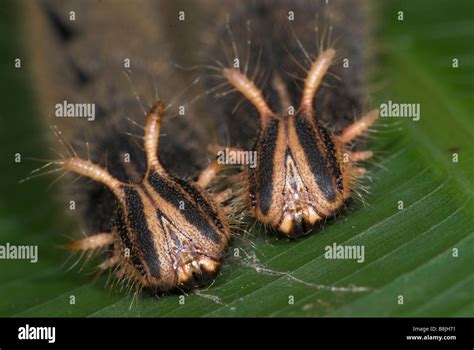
[423, 253]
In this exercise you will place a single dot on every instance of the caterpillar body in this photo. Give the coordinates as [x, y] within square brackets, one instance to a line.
[160, 229]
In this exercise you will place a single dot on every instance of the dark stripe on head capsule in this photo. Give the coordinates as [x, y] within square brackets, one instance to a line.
[266, 150]
[178, 200]
[125, 237]
[318, 164]
[137, 221]
[201, 201]
[331, 156]
[252, 173]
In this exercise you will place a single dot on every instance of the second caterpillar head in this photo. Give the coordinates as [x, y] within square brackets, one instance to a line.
[304, 172]
[300, 177]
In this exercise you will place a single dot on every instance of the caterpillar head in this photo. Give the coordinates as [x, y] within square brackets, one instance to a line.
[300, 177]
[303, 172]
[169, 232]
[172, 231]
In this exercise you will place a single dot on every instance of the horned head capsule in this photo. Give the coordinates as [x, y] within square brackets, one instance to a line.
[304, 172]
[169, 232]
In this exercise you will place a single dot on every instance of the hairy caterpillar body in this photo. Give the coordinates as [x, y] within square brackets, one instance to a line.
[296, 75]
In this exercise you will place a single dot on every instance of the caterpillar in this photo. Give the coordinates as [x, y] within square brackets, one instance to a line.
[159, 229]
[293, 108]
